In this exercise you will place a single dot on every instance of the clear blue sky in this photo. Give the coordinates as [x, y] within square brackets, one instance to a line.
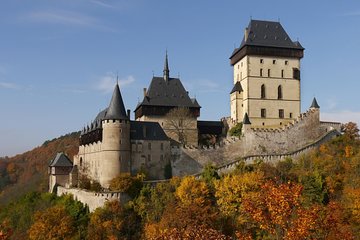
[59, 59]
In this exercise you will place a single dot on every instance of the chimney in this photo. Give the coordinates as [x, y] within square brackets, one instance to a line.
[246, 34]
[144, 92]
[128, 113]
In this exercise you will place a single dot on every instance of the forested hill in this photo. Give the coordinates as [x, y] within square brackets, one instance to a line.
[28, 171]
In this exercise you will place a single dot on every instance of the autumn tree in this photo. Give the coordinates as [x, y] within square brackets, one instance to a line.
[192, 191]
[113, 221]
[231, 190]
[53, 223]
[350, 130]
[178, 121]
[277, 210]
[124, 182]
[5, 230]
[190, 233]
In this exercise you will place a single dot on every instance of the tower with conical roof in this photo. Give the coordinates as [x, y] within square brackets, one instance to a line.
[115, 152]
[266, 76]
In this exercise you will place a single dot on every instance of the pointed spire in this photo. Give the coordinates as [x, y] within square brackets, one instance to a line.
[246, 119]
[314, 104]
[116, 109]
[166, 68]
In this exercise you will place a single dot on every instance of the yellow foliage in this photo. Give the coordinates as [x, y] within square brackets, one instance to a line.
[348, 151]
[353, 202]
[231, 189]
[192, 191]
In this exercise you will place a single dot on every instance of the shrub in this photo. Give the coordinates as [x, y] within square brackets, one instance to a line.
[236, 130]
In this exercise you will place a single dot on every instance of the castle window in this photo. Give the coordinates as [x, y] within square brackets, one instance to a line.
[261, 60]
[296, 73]
[282, 73]
[263, 113]
[149, 158]
[290, 115]
[240, 75]
[286, 62]
[281, 113]
[269, 73]
[241, 64]
[149, 146]
[263, 94]
[280, 95]
[261, 72]
[81, 161]
[274, 61]
[238, 66]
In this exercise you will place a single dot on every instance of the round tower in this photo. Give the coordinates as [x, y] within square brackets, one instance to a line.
[115, 149]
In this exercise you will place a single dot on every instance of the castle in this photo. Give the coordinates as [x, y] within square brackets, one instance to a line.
[265, 99]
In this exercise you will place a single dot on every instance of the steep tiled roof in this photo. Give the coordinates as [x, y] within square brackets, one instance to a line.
[314, 104]
[116, 109]
[146, 131]
[267, 34]
[61, 160]
[237, 88]
[246, 119]
[169, 93]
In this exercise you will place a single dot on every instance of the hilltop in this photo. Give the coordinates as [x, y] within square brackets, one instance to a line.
[28, 171]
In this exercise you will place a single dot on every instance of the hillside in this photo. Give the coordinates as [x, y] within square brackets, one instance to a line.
[28, 171]
[314, 197]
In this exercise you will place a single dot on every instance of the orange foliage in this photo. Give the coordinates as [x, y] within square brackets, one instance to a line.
[190, 233]
[5, 230]
[53, 223]
[277, 210]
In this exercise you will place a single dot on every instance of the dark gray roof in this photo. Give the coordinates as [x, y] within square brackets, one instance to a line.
[246, 119]
[61, 160]
[146, 131]
[167, 93]
[267, 34]
[101, 115]
[237, 88]
[116, 109]
[314, 104]
[210, 127]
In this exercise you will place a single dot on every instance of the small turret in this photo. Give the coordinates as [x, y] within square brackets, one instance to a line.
[314, 104]
[246, 124]
[246, 119]
[166, 68]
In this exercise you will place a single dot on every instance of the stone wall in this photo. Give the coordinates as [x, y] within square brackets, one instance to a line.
[93, 199]
[302, 132]
[291, 137]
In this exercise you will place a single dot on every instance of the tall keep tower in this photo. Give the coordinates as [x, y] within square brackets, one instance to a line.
[266, 76]
[116, 140]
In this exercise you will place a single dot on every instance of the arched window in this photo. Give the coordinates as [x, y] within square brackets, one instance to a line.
[280, 94]
[263, 94]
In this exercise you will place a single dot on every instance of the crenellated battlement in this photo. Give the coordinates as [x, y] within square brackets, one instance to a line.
[299, 120]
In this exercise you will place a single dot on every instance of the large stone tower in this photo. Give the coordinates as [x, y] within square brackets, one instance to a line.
[116, 140]
[266, 76]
